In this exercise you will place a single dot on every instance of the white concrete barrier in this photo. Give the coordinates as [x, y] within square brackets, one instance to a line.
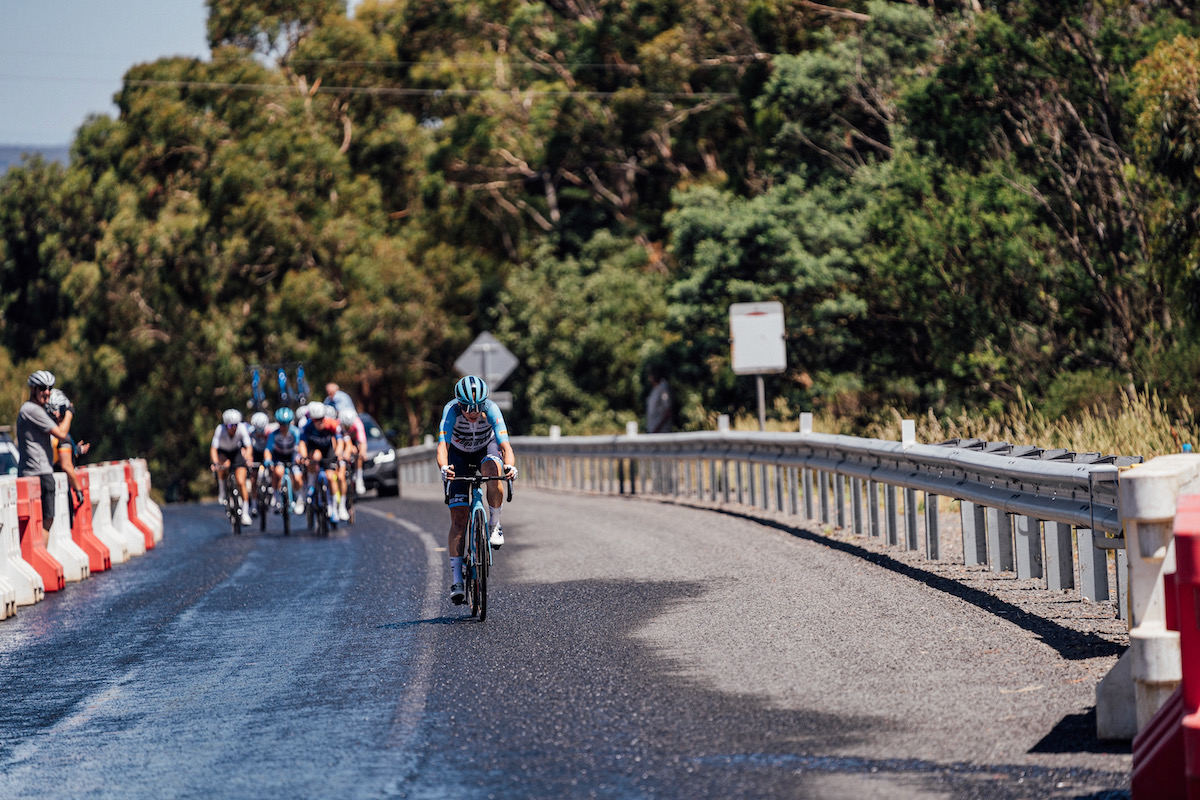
[118, 492]
[74, 561]
[102, 526]
[147, 510]
[19, 573]
[1150, 670]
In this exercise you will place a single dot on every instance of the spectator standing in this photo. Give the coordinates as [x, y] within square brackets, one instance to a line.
[339, 400]
[659, 406]
[67, 451]
[34, 429]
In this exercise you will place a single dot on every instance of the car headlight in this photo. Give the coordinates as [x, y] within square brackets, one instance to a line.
[385, 458]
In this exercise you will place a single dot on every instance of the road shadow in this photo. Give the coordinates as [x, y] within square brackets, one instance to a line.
[1070, 644]
[1076, 733]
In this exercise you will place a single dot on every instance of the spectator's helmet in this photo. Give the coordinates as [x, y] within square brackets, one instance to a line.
[284, 415]
[232, 417]
[471, 393]
[347, 417]
[259, 421]
[316, 411]
[42, 379]
[58, 403]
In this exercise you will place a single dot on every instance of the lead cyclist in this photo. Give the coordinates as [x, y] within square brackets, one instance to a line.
[472, 439]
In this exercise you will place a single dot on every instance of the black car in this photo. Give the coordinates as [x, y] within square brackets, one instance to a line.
[379, 467]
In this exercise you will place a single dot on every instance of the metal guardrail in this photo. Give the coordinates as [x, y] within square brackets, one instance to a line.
[1008, 494]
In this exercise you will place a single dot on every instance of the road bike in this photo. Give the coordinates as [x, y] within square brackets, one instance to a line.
[477, 549]
[317, 505]
[287, 497]
[233, 501]
[262, 493]
[351, 493]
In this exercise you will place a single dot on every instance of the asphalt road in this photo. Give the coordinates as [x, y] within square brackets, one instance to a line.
[633, 649]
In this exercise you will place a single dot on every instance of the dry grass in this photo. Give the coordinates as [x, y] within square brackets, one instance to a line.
[1144, 426]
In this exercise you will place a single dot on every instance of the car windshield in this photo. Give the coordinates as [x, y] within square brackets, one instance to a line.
[371, 426]
[8, 463]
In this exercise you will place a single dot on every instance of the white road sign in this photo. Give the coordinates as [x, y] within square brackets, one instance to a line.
[488, 359]
[756, 335]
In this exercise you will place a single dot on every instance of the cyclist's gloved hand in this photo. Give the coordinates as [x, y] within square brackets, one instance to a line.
[447, 472]
[213, 467]
[78, 497]
[510, 471]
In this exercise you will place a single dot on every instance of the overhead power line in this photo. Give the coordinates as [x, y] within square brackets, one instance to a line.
[400, 91]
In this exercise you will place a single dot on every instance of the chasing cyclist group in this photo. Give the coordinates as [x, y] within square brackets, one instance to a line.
[321, 438]
[472, 439]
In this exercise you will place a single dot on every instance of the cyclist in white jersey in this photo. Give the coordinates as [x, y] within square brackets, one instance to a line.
[472, 438]
[231, 447]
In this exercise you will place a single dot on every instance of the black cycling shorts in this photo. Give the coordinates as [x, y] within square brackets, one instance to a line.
[234, 457]
[49, 489]
[466, 465]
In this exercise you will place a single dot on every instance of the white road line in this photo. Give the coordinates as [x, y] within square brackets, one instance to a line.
[411, 707]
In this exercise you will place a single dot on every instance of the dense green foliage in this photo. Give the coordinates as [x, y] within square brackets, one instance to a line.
[958, 203]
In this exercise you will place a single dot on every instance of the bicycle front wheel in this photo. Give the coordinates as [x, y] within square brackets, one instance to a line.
[479, 558]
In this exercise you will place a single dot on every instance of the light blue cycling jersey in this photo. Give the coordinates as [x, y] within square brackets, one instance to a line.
[470, 437]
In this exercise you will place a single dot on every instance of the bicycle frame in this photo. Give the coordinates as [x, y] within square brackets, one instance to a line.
[477, 549]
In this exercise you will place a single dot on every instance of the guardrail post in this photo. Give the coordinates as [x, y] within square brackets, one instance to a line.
[779, 470]
[891, 513]
[808, 494]
[1060, 564]
[823, 490]
[1093, 566]
[974, 533]
[765, 486]
[910, 519]
[856, 500]
[999, 539]
[1122, 556]
[873, 509]
[839, 497]
[1029, 547]
[793, 494]
[933, 539]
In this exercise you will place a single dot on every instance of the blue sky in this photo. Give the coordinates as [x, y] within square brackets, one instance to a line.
[61, 60]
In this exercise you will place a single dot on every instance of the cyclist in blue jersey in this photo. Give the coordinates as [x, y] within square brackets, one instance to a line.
[281, 452]
[472, 438]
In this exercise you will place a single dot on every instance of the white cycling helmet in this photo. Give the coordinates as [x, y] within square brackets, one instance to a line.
[316, 411]
[347, 417]
[58, 402]
[231, 416]
[42, 379]
[259, 420]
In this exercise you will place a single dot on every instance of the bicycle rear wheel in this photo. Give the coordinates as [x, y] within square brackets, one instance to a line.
[234, 507]
[264, 499]
[285, 497]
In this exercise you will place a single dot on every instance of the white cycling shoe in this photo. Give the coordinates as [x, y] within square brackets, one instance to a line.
[298, 508]
[246, 516]
[359, 486]
[497, 538]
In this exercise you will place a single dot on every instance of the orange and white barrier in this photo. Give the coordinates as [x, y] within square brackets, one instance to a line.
[81, 530]
[74, 561]
[24, 579]
[108, 528]
[118, 494]
[33, 535]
